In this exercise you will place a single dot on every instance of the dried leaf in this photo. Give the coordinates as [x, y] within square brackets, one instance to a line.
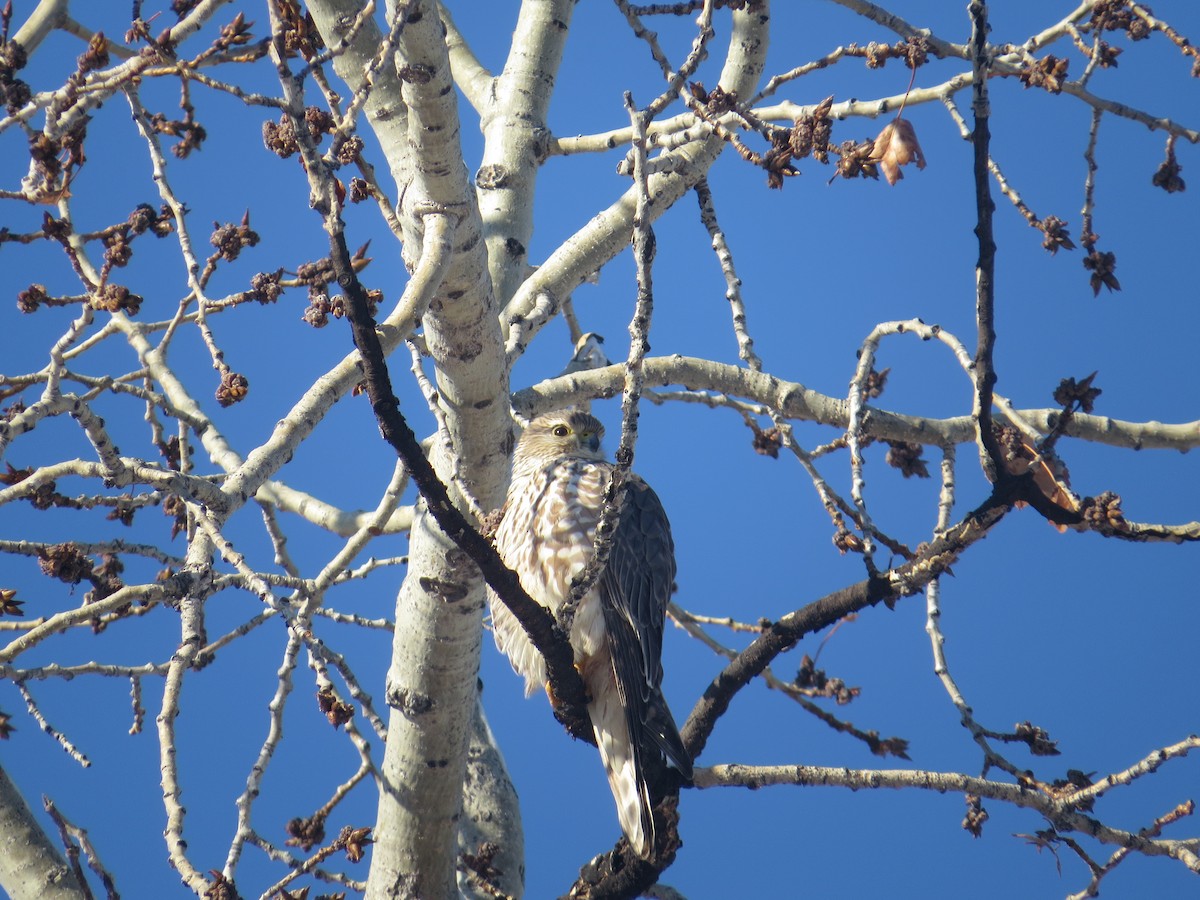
[897, 146]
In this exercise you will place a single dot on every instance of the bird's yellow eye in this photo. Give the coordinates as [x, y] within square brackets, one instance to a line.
[560, 431]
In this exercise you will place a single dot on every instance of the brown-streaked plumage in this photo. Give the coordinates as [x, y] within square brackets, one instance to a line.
[546, 536]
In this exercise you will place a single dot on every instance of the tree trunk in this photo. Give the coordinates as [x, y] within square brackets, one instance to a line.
[31, 868]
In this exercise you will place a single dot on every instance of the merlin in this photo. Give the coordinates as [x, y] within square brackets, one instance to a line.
[547, 537]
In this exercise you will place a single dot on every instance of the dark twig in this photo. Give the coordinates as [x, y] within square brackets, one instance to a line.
[620, 873]
[886, 587]
[70, 834]
[985, 268]
[639, 327]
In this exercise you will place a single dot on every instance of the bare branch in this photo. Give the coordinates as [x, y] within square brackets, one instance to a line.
[1061, 813]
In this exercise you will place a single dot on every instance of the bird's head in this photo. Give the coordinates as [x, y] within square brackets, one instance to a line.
[565, 433]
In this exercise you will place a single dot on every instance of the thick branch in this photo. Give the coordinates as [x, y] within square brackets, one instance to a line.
[46, 16]
[794, 401]
[514, 131]
[31, 867]
[475, 81]
[384, 107]
[491, 828]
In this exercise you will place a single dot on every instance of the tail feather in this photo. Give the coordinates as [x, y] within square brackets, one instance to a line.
[663, 733]
[625, 777]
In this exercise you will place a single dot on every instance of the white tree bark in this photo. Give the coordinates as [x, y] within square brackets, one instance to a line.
[795, 401]
[515, 134]
[491, 822]
[31, 868]
[435, 655]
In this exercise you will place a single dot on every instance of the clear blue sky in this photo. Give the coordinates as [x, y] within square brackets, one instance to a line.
[1091, 639]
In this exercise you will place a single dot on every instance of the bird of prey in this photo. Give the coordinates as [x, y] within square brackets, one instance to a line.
[589, 354]
[546, 536]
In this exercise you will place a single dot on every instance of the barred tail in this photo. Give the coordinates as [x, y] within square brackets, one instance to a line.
[621, 764]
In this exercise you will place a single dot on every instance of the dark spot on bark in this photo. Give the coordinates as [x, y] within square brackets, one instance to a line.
[411, 703]
[446, 591]
[468, 352]
[418, 74]
[491, 177]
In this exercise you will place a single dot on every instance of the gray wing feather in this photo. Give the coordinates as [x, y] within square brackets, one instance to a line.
[635, 588]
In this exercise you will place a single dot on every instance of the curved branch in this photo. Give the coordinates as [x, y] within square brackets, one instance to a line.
[342, 522]
[794, 401]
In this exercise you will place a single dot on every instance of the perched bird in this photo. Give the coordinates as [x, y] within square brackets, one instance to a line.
[546, 536]
[589, 354]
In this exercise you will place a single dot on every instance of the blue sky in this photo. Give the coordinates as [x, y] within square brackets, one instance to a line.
[1091, 639]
